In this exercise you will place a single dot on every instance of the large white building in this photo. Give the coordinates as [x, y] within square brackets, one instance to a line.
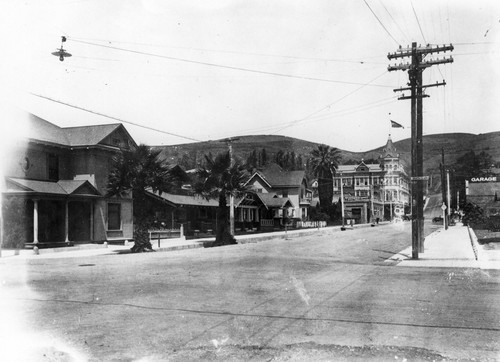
[374, 190]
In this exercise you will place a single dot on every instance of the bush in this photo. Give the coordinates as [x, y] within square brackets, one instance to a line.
[17, 228]
[474, 215]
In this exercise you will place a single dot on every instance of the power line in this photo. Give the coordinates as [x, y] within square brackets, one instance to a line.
[114, 118]
[380, 22]
[318, 118]
[395, 22]
[356, 61]
[226, 66]
[418, 22]
[331, 104]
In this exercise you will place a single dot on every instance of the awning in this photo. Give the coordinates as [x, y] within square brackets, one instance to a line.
[19, 186]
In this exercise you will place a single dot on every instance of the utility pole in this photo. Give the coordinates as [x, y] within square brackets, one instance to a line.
[342, 201]
[371, 202]
[415, 70]
[448, 194]
[231, 196]
[443, 188]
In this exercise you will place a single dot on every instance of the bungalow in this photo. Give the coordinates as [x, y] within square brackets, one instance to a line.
[199, 215]
[55, 185]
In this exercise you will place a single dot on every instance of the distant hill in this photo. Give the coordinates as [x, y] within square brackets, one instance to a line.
[242, 147]
[454, 144]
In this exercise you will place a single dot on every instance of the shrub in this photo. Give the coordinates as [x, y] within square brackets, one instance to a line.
[17, 228]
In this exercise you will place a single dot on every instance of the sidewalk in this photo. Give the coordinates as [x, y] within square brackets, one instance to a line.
[452, 248]
[165, 244]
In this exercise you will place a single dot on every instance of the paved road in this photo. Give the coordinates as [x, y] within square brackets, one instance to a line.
[310, 298]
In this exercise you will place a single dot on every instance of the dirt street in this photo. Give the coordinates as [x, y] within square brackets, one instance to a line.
[329, 297]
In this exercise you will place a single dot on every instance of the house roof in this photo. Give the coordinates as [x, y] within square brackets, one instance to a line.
[186, 200]
[40, 129]
[276, 177]
[61, 187]
[89, 135]
[271, 201]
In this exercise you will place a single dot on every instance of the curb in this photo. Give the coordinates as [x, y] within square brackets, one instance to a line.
[474, 242]
[198, 243]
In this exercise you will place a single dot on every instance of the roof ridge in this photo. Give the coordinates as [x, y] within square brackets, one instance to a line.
[92, 125]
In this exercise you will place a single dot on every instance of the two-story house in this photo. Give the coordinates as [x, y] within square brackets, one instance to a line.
[55, 184]
[284, 193]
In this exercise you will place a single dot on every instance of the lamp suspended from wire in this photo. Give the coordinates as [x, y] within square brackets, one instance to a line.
[61, 53]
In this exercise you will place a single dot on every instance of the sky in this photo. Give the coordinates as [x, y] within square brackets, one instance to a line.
[191, 71]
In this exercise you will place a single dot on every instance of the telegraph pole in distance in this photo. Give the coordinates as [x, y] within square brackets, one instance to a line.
[444, 186]
[415, 70]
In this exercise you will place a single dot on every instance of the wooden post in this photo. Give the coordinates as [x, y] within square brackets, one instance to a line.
[414, 152]
[35, 221]
[66, 222]
[420, 158]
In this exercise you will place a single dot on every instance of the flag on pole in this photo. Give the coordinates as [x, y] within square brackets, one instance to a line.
[396, 124]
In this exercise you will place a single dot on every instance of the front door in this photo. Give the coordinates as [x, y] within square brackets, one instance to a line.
[79, 223]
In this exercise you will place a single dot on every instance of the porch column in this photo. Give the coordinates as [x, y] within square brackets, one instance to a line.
[92, 220]
[66, 222]
[35, 221]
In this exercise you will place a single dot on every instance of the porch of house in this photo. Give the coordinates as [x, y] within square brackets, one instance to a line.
[51, 222]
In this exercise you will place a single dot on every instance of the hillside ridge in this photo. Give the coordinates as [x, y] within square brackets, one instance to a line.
[454, 144]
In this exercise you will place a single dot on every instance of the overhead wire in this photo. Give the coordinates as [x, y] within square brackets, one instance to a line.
[331, 104]
[356, 61]
[418, 21]
[114, 118]
[226, 66]
[318, 118]
[395, 22]
[380, 22]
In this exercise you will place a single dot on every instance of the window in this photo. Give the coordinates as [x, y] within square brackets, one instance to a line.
[114, 216]
[285, 193]
[53, 166]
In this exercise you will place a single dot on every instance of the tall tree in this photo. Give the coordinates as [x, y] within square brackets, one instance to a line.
[324, 161]
[263, 158]
[136, 171]
[219, 177]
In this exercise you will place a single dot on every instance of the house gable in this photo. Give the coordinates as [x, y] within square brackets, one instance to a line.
[120, 138]
[258, 183]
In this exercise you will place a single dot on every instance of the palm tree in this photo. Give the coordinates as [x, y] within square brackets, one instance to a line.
[220, 177]
[324, 162]
[136, 171]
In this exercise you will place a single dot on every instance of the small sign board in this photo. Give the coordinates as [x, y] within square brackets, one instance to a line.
[420, 178]
[443, 207]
